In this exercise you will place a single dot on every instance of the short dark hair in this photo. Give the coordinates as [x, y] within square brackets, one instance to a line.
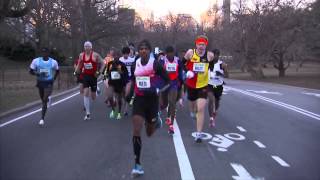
[169, 49]
[125, 50]
[216, 52]
[145, 43]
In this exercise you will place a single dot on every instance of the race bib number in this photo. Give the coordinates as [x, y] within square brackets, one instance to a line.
[199, 67]
[143, 82]
[44, 72]
[88, 66]
[171, 67]
[115, 75]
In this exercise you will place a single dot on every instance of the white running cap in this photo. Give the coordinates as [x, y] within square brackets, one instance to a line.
[87, 43]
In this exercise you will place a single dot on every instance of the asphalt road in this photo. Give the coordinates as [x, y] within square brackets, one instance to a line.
[264, 131]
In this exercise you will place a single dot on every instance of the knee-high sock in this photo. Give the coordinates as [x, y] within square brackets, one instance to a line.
[86, 101]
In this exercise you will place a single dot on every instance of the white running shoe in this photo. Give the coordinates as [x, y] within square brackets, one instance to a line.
[41, 122]
[87, 117]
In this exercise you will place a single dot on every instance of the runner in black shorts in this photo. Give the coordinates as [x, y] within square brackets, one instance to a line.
[146, 102]
[44, 67]
[117, 79]
[90, 62]
[218, 70]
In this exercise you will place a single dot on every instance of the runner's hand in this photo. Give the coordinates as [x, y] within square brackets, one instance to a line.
[190, 74]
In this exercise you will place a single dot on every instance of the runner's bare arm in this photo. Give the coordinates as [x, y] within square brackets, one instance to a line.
[186, 58]
[80, 64]
[188, 54]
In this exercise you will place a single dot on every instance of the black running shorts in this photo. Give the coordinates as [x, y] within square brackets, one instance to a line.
[217, 91]
[146, 106]
[90, 81]
[194, 94]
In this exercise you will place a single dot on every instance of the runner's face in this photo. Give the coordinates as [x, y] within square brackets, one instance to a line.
[201, 46]
[170, 55]
[144, 52]
[87, 49]
[45, 54]
[126, 56]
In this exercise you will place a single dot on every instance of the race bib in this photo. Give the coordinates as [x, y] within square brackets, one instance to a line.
[88, 66]
[115, 75]
[45, 72]
[171, 67]
[143, 82]
[199, 67]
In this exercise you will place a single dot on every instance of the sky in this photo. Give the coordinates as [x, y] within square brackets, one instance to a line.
[162, 7]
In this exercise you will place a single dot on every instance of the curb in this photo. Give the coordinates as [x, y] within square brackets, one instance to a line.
[36, 103]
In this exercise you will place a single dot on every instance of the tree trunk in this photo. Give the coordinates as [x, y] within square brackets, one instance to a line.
[256, 72]
[281, 67]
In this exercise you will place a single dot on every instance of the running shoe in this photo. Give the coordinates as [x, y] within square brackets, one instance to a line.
[119, 116]
[41, 122]
[198, 138]
[168, 121]
[212, 122]
[137, 170]
[171, 130]
[112, 114]
[87, 117]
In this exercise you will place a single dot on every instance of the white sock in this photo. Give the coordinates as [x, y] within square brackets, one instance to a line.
[86, 101]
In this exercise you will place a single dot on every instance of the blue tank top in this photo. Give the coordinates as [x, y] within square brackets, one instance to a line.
[44, 68]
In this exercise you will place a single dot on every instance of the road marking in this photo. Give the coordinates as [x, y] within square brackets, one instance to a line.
[311, 94]
[288, 106]
[259, 144]
[241, 129]
[35, 111]
[205, 136]
[223, 142]
[264, 92]
[183, 159]
[243, 174]
[280, 161]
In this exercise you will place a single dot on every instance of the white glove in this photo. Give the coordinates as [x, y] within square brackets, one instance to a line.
[190, 74]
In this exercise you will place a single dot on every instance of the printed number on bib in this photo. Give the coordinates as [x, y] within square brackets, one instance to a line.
[171, 67]
[45, 72]
[143, 82]
[115, 75]
[88, 66]
[199, 67]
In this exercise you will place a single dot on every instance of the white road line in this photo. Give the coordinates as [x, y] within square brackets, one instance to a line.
[35, 111]
[259, 144]
[243, 174]
[288, 106]
[280, 161]
[183, 159]
[241, 129]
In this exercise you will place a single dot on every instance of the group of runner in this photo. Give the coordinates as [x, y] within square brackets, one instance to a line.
[152, 84]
